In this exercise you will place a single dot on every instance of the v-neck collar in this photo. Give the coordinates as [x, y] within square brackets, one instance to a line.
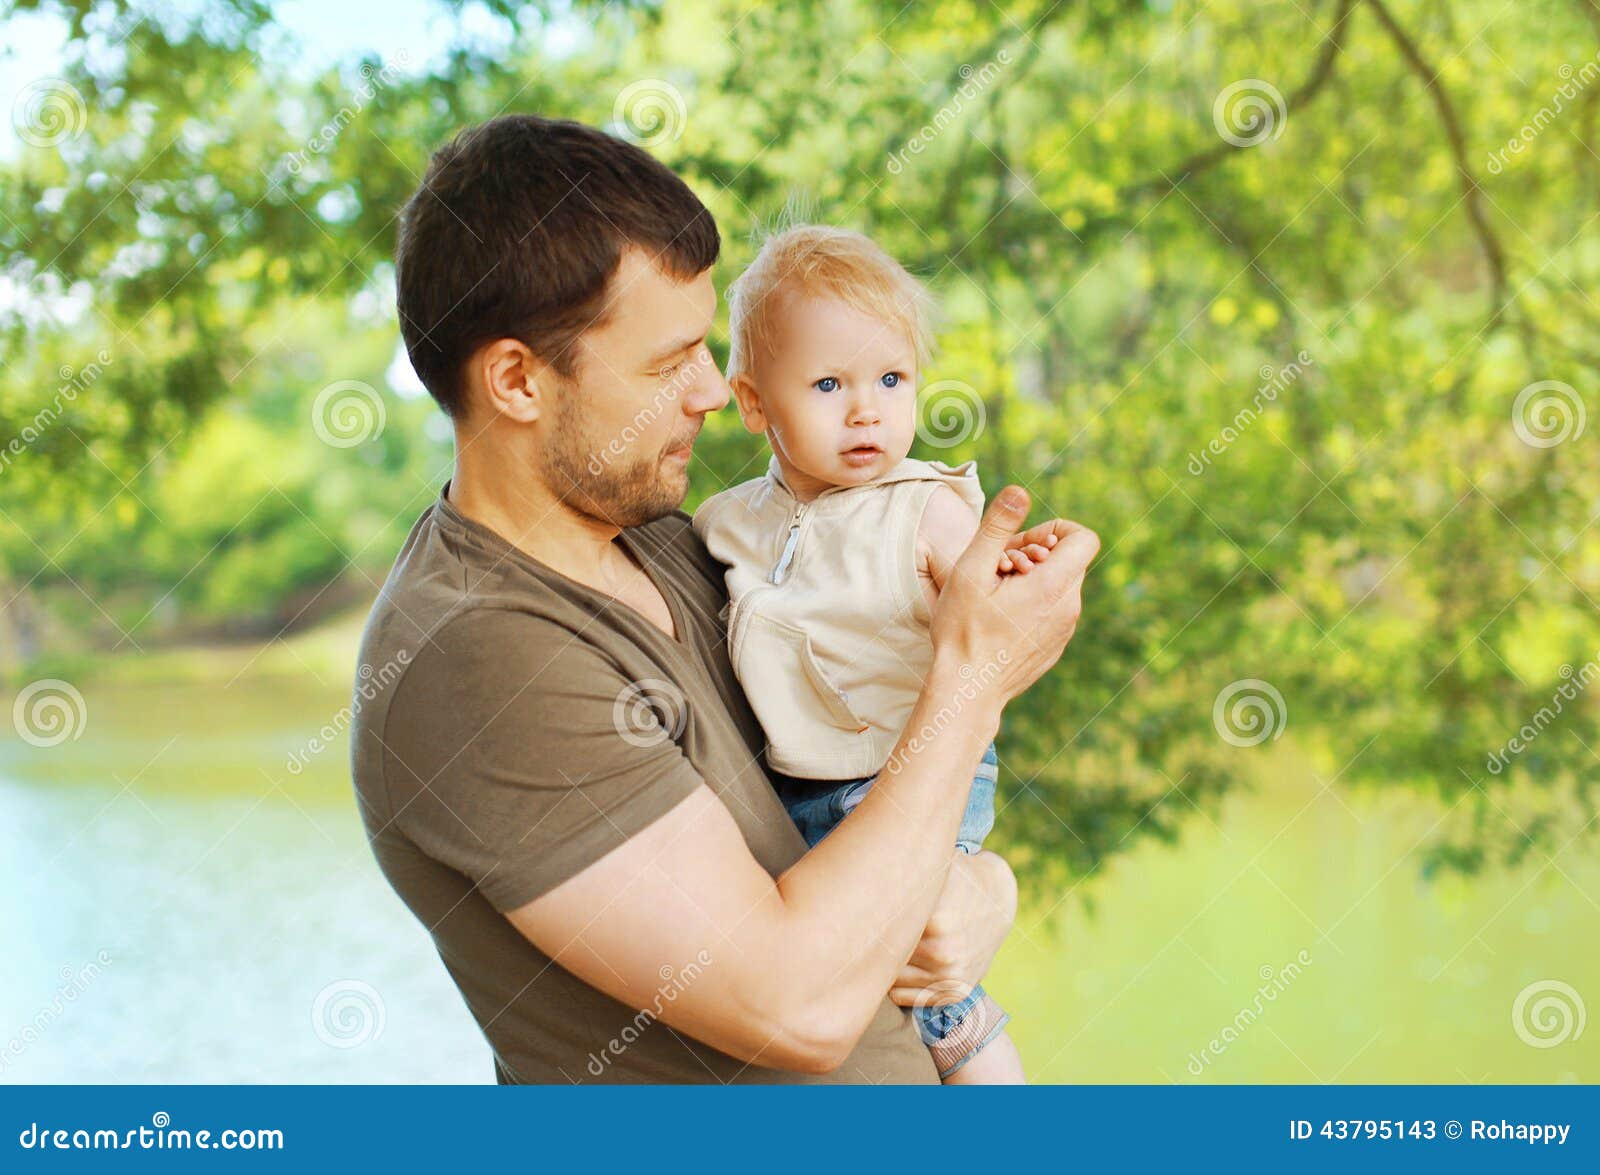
[510, 550]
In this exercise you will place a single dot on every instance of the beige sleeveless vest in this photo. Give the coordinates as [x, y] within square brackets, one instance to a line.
[827, 622]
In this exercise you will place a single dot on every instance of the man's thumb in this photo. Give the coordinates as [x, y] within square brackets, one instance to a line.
[1001, 520]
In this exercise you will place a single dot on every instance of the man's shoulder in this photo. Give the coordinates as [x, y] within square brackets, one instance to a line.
[447, 613]
[735, 502]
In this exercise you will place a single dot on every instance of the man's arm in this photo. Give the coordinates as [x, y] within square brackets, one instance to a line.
[968, 927]
[794, 968]
[799, 965]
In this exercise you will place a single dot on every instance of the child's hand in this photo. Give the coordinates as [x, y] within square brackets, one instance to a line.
[1026, 549]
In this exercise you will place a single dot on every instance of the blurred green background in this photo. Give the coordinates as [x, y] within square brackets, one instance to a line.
[1292, 302]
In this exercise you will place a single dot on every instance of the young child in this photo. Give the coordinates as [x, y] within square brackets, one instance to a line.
[836, 557]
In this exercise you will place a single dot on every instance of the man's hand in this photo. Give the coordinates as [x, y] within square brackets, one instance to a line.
[968, 925]
[1008, 630]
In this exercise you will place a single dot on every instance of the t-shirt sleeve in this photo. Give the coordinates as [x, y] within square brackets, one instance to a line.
[518, 754]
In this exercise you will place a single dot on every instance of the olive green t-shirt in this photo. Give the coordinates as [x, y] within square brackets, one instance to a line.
[512, 726]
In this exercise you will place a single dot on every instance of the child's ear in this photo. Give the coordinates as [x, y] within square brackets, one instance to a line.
[744, 392]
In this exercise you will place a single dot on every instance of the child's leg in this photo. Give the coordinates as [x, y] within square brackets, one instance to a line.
[959, 1035]
[996, 1063]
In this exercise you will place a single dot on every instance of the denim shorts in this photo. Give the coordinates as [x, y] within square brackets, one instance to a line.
[818, 805]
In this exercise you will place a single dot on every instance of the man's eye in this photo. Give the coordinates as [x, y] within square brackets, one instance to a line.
[891, 379]
[826, 384]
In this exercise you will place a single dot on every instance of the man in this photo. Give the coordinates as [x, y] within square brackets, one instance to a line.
[560, 775]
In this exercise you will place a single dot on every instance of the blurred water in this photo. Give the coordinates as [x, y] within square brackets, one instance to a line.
[1294, 940]
[247, 935]
[181, 925]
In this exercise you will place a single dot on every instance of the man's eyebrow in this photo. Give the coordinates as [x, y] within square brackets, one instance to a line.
[675, 348]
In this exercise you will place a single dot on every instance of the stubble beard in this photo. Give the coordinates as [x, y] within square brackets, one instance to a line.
[628, 489]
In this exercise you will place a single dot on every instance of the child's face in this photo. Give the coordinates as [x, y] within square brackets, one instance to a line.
[832, 379]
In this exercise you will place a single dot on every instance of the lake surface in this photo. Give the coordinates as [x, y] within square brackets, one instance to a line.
[181, 907]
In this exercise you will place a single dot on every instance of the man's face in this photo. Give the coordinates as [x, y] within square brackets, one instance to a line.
[618, 444]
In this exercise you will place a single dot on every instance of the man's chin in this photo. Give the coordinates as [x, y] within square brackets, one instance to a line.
[664, 496]
[674, 487]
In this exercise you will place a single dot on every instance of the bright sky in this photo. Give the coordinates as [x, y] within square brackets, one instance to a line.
[31, 43]
[320, 33]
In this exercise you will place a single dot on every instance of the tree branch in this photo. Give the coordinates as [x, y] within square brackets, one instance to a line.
[1591, 9]
[1321, 74]
[1470, 192]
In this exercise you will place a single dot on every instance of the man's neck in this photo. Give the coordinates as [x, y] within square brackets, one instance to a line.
[538, 524]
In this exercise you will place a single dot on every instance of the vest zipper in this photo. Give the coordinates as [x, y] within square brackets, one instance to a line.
[781, 568]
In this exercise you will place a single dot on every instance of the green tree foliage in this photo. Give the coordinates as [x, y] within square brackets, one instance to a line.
[1254, 289]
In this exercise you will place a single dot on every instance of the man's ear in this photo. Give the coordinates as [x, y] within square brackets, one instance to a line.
[511, 380]
[744, 391]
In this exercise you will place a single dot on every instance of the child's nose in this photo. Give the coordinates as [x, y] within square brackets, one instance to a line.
[864, 408]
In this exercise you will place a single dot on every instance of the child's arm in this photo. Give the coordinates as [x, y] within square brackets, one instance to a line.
[947, 526]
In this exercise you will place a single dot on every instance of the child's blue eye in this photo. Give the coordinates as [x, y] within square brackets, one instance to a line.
[891, 379]
[826, 384]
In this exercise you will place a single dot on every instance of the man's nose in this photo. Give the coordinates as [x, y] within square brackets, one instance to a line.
[709, 392]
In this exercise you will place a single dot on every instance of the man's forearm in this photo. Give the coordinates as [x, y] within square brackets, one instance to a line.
[856, 905]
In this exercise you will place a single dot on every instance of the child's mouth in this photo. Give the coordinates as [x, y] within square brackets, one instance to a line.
[861, 454]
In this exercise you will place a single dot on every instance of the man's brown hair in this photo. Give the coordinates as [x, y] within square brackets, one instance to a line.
[516, 231]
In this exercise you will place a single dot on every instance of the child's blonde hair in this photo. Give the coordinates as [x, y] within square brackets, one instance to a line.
[825, 262]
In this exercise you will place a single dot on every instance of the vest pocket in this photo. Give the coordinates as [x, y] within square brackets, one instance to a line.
[786, 685]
